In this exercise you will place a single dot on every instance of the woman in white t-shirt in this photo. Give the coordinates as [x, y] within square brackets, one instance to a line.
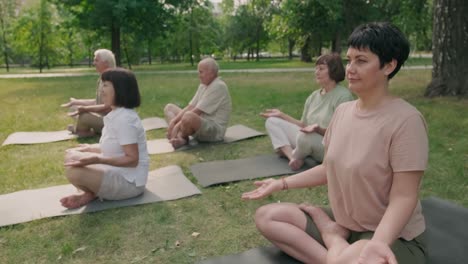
[117, 167]
[376, 151]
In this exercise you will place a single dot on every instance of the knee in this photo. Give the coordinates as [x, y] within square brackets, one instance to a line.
[189, 117]
[169, 108]
[272, 122]
[263, 216]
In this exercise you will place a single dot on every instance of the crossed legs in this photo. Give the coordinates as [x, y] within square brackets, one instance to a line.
[88, 179]
[284, 224]
[188, 125]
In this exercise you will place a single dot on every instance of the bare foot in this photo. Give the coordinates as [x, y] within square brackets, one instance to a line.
[76, 201]
[177, 142]
[328, 228]
[296, 164]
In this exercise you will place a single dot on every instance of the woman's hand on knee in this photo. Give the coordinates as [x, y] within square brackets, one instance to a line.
[376, 252]
[264, 188]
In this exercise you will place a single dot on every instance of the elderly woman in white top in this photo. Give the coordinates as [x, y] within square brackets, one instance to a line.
[117, 168]
[297, 139]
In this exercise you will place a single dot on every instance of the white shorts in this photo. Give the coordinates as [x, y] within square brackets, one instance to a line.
[116, 187]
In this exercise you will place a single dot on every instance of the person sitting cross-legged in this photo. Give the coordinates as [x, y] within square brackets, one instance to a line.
[116, 168]
[207, 115]
[297, 139]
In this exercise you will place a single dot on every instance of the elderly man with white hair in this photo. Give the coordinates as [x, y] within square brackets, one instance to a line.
[207, 115]
[89, 113]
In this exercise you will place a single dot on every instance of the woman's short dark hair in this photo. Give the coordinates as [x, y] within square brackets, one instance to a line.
[125, 85]
[334, 63]
[383, 39]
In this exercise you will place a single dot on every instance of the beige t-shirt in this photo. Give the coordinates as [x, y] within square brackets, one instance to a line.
[319, 109]
[362, 153]
[215, 102]
[99, 91]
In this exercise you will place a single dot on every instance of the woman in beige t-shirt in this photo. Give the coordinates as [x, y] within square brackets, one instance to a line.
[376, 151]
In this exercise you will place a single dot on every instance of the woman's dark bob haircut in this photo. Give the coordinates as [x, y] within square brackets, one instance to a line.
[383, 39]
[334, 63]
[125, 85]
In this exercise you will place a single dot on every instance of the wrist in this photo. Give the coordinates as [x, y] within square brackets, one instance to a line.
[284, 184]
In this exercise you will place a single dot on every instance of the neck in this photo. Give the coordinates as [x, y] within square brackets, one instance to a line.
[327, 87]
[374, 98]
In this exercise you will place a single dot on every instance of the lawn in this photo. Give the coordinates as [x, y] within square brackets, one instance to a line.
[148, 233]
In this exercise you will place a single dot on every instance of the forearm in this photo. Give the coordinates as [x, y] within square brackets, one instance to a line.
[315, 176]
[84, 102]
[291, 119]
[397, 215]
[321, 131]
[123, 161]
[101, 108]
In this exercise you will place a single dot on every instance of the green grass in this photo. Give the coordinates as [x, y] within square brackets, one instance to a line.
[148, 233]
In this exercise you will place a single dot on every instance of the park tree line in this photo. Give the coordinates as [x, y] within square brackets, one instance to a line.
[45, 33]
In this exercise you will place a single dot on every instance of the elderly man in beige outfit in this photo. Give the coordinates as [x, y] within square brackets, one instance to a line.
[207, 115]
[89, 113]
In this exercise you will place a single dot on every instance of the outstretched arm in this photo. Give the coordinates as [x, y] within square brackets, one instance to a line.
[310, 178]
[277, 113]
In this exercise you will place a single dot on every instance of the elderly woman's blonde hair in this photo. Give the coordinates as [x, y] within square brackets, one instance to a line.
[107, 56]
[211, 63]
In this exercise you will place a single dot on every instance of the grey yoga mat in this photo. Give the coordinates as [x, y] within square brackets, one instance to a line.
[215, 172]
[22, 138]
[233, 133]
[168, 183]
[446, 233]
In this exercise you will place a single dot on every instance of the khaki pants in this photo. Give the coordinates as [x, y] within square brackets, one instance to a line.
[90, 121]
[284, 133]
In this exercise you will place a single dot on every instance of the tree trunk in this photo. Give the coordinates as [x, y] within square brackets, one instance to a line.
[115, 39]
[305, 51]
[5, 48]
[149, 51]
[450, 54]
[191, 37]
[336, 43]
[291, 44]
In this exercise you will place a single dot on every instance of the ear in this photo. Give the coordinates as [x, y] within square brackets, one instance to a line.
[390, 67]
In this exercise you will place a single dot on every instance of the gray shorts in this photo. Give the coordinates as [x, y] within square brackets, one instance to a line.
[406, 252]
[116, 187]
[209, 131]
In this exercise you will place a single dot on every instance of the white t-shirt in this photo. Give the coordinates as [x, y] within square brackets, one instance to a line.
[122, 126]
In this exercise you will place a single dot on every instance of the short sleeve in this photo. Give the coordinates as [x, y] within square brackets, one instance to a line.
[409, 149]
[196, 97]
[306, 109]
[212, 98]
[126, 130]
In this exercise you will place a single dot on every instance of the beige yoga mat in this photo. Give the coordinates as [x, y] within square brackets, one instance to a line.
[233, 133]
[216, 172]
[38, 137]
[151, 123]
[164, 184]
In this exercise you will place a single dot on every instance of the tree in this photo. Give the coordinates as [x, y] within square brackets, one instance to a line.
[7, 10]
[450, 54]
[110, 17]
[35, 36]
